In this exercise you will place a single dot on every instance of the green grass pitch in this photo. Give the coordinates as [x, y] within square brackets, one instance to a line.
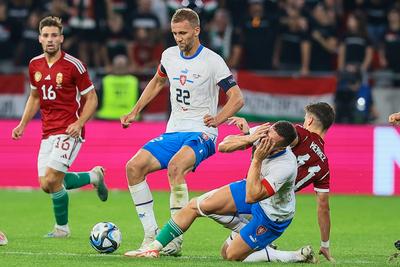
[364, 229]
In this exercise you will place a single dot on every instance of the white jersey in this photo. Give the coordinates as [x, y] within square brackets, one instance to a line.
[280, 173]
[194, 88]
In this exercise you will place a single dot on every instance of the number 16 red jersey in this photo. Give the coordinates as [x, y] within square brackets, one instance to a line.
[60, 87]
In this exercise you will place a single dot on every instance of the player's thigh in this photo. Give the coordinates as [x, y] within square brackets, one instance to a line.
[219, 201]
[183, 161]
[144, 161]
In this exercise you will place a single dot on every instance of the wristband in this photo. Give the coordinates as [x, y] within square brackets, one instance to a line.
[325, 244]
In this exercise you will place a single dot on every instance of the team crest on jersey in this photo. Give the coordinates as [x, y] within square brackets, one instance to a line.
[204, 136]
[59, 79]
[182, 79]
[37, 76]
[261, 230]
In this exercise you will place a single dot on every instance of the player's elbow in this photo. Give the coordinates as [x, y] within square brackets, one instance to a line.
[223, 147]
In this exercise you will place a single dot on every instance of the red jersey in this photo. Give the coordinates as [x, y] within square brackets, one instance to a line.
[311, 161]
[60, 87]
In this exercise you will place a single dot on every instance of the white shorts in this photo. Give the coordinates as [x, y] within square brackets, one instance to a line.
[58, 152]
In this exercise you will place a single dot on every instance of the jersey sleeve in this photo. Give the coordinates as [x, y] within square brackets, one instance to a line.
[223, 75]
[322, 184]
[82, 79]
[32, 81]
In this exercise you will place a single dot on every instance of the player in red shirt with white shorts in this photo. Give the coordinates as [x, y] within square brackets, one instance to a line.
[312, 162]
[63, 92]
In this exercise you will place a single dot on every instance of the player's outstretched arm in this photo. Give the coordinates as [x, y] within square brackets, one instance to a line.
[324, 222]
[240, 142]
[89, 108]
[394, 118]
[31, 108]
[152, 89]
[234, 104]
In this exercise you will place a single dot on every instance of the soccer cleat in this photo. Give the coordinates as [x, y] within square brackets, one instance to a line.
[58, 233]
[3, 239]
[100, 186]
[397, 244]
[308, 254]
[174, 248]
[146, 253]
[147, 240]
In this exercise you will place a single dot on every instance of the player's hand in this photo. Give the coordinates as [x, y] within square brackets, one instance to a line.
[241, 123]
[264, 148]
[74, 129]
[394, 118]
[17, 132]
[326, 253]
[210, 121]
[260, 132]
[126, 120]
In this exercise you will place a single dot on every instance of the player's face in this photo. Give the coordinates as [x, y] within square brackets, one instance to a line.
[51, 39]
[275, 137]
[185, 35]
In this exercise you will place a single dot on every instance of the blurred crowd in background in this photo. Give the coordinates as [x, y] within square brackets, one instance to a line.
[307, 37]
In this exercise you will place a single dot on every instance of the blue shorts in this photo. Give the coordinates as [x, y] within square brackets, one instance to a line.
[165, 146]
[260, 231]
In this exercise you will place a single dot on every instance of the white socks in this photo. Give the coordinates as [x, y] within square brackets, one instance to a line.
[270, 254]
[179, 198]
[231, 222]
[143, 200]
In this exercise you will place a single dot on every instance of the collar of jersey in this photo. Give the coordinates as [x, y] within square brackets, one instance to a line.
[277, 154]
[194, 55]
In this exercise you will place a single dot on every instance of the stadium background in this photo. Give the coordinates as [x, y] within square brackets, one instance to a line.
[127, 38]
[363, 150]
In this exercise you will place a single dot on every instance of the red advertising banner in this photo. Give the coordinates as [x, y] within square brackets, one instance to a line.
[363, 159]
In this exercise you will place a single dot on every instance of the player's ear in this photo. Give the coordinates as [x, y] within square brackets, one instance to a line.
[197, 31]
[62, 38]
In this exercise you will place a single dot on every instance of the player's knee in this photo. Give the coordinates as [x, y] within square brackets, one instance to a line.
[223, 250]
[135, 171]
[44, 186]
[51, 183]
[175, 173]
[232, 255]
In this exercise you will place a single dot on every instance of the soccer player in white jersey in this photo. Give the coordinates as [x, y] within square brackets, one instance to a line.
[195, 75]
[267, 193]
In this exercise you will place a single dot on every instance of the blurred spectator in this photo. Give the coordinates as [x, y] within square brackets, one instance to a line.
[9, 37]
[376, 11]
[117, 39]
[62, 9]
[121, 7]
[205, 8]
[88, 24]
[390, 49]
[292, 49]
[353, 101]
[29, 46]
[223, 39]
[258, 37]
[144, 51]
[144, 17]
[18, 10]
[355, 48]
[323, 39]
[120, 90]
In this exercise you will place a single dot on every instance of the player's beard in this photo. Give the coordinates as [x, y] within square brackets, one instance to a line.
[186, 48]
[52, 52]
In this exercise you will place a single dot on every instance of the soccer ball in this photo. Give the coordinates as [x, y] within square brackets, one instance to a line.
[105, 237]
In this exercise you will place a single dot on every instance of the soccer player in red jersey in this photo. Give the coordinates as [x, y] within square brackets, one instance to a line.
[63, 92]
[312, 162]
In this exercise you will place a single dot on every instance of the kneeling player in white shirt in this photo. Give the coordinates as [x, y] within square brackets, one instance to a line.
[267, 193]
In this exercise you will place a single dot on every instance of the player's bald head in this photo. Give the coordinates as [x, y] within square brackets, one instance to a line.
[188, 14]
